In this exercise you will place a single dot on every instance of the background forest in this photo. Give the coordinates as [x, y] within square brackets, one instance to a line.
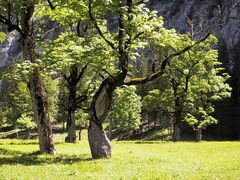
[119, 67]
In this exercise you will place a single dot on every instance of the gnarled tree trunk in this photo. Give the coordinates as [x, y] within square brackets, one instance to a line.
[35, 85]
[40, 106]
[99, 143]
[100, 107]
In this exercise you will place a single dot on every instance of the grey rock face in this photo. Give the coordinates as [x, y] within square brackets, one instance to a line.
[198, 16]
[10, 49]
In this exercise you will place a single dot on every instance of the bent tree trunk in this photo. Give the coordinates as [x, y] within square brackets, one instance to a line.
[35, 85]
[100, 107]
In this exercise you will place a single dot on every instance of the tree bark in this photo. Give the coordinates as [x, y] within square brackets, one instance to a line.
[80, 135]
[73, 81]
[71, 129]
[40, 106]
[99, 143]
[199, 135]
[100, 107]
[35, 85]
[176, 133]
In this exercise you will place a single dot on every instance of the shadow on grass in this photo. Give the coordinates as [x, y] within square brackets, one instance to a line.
[148, 142]
[28, 159]
[27, 142]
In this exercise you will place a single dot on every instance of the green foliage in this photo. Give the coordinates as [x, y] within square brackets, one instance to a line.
[159, 101]
[193, 82]
[126, 109]
[14, 101]
[2, 37]
[82, 119]
[26, 122]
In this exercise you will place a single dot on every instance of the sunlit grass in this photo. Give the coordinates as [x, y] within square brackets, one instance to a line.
[131, 160]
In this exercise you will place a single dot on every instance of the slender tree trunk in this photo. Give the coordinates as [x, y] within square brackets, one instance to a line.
[37, 92]
[199, 135]
[176, 132]
[171, 128]
[63, 126]
[71, 129]
[80, 135]
[110, 128]
[177, 116]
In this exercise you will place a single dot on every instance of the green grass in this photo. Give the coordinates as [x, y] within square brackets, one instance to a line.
[130, 160]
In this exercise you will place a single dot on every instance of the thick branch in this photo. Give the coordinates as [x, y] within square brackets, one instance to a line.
[153, 76]
[80, 75]
[79, 100]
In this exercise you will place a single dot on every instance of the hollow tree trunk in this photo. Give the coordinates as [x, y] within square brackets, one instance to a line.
[99, 143]
[100, 107]
[199, 135]
[35, 85]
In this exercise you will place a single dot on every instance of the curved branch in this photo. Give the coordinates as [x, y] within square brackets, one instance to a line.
[97, 27]
[52, 7]
[11, 26]
[153, 76]
[80, 75]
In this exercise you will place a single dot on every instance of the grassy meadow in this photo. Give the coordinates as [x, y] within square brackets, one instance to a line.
[130, 160]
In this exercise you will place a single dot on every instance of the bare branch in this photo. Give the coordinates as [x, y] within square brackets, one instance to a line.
[51, 5]
[104, 70]
[101, 76]
[9, 24]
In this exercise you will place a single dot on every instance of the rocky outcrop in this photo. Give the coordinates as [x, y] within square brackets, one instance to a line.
[10, 49]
